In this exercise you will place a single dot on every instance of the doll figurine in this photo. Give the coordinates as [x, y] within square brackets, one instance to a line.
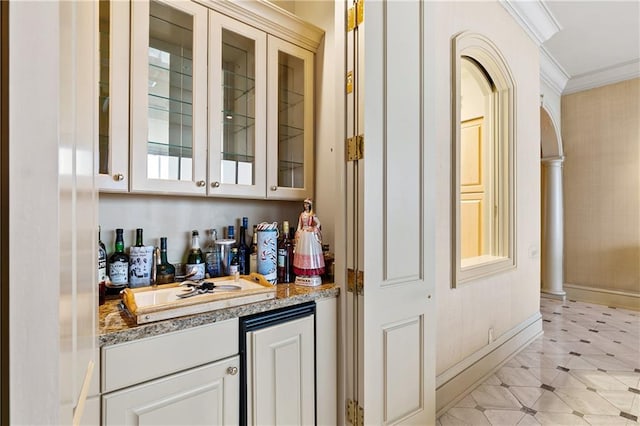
[308, 259]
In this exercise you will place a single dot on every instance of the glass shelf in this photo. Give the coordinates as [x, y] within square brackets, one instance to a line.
[232, 156]
[157, 148]
[170, 105]
[286, 132]
[159, 70]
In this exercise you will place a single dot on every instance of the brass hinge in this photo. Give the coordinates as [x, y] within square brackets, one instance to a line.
[355, 413]
[349, 82]
[355, 15]
[355, 148]
[355, 281]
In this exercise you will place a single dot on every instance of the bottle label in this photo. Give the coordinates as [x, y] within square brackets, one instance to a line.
[119, 273]
[212, 261]
[233, 269]
[282, 256]
[198, 268]
[140, 263]
[102, 264]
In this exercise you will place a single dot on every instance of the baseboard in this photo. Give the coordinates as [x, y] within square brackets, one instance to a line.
[459, 380]
[603, 296]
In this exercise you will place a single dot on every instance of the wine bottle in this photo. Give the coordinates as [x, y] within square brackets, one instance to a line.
[195, 259]
[165, 272]
[243, 249]
[119, 264]
[102, 259]
[140, 262]
[285, 256]
[253, 256]
[234, 266]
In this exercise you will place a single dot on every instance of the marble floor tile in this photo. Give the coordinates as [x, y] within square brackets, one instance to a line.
[584, 370]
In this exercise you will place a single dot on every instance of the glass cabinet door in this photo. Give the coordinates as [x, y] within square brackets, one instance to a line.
[290, 157]
[237, 113]
[113, 108]
[169, 82]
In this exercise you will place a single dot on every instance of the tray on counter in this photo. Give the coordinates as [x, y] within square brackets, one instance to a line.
[148, 304]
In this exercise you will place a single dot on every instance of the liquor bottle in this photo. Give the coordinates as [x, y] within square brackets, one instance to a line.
[234, 266]
[119, 264]
[140, 262]
[253, 256]
[195, 260]
[165, 272]
[285, 256]
[102, 259]
[243, 249]
[212, 255]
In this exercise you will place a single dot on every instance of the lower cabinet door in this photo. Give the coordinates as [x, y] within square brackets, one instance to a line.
[281, 383]
[207, 395]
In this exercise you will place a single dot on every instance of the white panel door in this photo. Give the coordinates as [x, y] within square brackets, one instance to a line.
[208, 395]
[396, 377]
[281, 374]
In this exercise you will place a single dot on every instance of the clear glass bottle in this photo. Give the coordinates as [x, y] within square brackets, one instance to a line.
[212, 255]
[118, 264]
[285, 256]
[165, 271]
[195, 260]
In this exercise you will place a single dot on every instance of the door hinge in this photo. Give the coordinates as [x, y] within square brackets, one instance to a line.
[355, 281]
[355, 15]
[355, 413]
[349, 82]
[355, 148]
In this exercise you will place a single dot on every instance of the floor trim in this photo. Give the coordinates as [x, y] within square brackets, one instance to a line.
[459, 380]
[603, 296]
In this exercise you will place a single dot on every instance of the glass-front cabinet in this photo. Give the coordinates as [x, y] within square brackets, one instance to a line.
[290, 129]
[169, 97]
[237, 108]
[113, 107]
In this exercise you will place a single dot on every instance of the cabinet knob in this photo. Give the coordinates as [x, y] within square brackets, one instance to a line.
[118, 177]
[201, 183]
[215, 184]
[232, 370]
[273, 188]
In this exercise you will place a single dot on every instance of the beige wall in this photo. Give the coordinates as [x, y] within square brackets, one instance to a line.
[601, 137]
[508, 299]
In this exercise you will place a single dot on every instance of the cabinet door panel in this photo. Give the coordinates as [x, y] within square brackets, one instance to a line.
[282, 379]
[168, 97]
[237, 113]
[206, 395]
[290, 134]
[113, 107]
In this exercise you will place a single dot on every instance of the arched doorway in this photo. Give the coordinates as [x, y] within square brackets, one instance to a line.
[551, 273]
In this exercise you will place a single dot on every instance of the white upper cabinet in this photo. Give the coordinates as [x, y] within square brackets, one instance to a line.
[168, 97]
[290, 125]
[113, 107]
[237, 108]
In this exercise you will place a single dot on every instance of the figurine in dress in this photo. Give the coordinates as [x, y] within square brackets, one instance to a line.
[308, 259]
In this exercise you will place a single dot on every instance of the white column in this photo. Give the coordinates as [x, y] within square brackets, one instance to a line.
[552, 239]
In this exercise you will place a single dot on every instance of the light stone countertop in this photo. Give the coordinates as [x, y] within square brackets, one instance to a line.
[116, 325]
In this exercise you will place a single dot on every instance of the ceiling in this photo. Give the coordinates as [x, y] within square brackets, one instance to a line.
[583, 43]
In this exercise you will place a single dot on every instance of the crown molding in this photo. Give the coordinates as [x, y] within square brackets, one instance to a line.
[534, 17]
[552, 73]
[602, 77]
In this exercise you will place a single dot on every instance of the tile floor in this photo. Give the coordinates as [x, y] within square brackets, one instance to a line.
[584, 370]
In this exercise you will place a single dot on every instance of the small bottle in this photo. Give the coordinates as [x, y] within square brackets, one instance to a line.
[253, 256]
[102, 259]
[285, 256]
[165, 272]
[119, 264]
[140, 263]
[212, 255]
[195, 259]
[243, 249]
[234, 266]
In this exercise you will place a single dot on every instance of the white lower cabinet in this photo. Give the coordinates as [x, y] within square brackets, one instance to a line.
[281, 374]
[206, 395]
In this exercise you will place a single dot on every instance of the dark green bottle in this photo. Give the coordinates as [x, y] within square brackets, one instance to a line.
[166, 272]
[195, 260]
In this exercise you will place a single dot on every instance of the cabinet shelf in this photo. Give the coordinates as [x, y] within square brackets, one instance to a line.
[170, 105]
[159, 70]
[171, 150]
[287, 132]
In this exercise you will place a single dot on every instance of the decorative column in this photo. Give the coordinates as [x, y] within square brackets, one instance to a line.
[552, 239]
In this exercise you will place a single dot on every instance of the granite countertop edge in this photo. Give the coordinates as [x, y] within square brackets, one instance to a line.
[113, 334]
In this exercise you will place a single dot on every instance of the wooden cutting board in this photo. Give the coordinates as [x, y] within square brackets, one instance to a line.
[148, 304]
